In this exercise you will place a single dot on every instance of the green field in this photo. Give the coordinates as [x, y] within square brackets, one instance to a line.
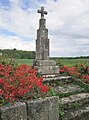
[72, 62]
[25, 61]
[67, 62]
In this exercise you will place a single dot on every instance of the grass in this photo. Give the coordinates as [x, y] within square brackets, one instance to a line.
[73, 62]
[65, 62]
[25, 61]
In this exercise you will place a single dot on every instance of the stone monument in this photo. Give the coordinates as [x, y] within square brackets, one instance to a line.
[42, 42]
[42, 62]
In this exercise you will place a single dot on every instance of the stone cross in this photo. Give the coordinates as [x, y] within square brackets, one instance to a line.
[43, 64]
[42, 12]
[42, 41]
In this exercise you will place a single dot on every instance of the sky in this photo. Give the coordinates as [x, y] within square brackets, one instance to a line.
[67, 23]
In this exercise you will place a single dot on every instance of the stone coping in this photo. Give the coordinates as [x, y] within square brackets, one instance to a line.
[81, 113]
[79, 98]
[39, 109]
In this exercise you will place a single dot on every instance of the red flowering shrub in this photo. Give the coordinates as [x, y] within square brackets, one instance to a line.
[19, 83]
[79, 71]
[70, 71]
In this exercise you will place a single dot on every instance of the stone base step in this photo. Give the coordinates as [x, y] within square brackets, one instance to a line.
[77, 114]
[74, 107]
[68, 89]
[74, 101]
[65, 79]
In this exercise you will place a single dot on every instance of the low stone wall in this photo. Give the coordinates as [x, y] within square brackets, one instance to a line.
[41, 109]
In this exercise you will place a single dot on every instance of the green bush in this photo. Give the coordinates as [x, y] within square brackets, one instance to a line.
[6, 60]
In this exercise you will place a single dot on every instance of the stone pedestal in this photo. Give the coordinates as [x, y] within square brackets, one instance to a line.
[47, 67]
[42, 41]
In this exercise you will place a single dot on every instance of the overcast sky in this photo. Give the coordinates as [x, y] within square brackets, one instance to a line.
[67, 22]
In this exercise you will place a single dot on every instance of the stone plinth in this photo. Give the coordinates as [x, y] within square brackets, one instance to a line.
[43, 109]
[16, 111]
[46, 67]
[45, 63]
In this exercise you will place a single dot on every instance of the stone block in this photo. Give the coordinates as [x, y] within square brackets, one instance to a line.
[45, 62]
[43, 109]
[53, 108]
[48, 69]
[16, 111]
[38, 109]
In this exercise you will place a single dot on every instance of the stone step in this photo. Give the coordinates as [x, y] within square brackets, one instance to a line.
[54, 79]
[82, 113]
[68, 89]
[74, 107]
[74, 101]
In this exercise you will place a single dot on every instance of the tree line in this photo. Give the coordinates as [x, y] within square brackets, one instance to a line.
[80, 57]
[18, 54]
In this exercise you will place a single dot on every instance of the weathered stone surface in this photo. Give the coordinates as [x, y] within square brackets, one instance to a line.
[48, 69]
[42, 41]
[75, 107]
[77, 114]
[45, 63]
[46, 66]
[38, 110]
[71, 88]
[53, 108]
[43, 109]
[16, 111]
[74, 101]
[54, 78]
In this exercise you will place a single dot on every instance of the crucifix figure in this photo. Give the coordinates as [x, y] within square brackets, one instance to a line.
[42, 12]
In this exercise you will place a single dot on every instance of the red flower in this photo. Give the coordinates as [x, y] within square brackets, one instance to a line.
[44, 89]
[1, 80]
[1, 92]
[15, 83]
[29, 86]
